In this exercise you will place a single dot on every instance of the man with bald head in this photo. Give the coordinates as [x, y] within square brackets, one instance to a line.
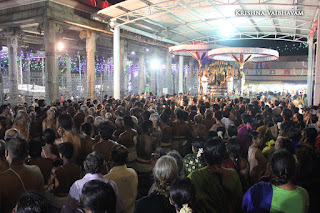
[11, 133]
[126, 138]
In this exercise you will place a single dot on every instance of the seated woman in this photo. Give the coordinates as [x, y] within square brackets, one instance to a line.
[257, 161]
[183, 195]
[193, 161]
[236, 162]
[281, 195]
[165, 171]
[218, 189]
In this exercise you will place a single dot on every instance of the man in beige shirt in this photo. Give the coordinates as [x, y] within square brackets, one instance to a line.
[125, 178]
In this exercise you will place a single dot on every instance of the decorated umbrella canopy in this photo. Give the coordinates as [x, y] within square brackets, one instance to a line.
[197, 51]
[242, 55]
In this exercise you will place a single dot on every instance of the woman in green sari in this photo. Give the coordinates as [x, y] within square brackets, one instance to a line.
[218, 189]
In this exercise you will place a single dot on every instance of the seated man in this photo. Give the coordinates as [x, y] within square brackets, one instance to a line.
[93, 166]
[11, 133]
[66, 133]
[125, 178]
[50, 150]
[126, 138]
[19, 178]
[87, 142]
[106, 143]
[64, 176]
[45, 164]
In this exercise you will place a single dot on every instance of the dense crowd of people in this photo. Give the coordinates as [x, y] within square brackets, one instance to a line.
[161, 155]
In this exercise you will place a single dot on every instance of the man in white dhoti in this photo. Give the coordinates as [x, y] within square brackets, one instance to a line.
[204, 82]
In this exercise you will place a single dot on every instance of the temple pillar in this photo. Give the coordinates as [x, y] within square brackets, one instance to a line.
[141, 75]
[153, 71]
[192, 77]
[68, 78]
[51, 68]
[181, 74]
[316, 96]
[20, 76]
[310, 72]
[12, 35]
[117, 62]
[169, 79]
[123, 75]
[91, 51]
[28, 70]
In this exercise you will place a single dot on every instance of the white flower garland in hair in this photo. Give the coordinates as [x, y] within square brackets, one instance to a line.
[200, 151]
[220, 134]
[185, 209]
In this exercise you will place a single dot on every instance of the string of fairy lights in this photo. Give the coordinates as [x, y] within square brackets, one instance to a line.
[105, 65]
[290, 48]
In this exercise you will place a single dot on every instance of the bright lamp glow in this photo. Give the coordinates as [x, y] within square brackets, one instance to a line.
[60, 46]
[226, 29]
[155, 64]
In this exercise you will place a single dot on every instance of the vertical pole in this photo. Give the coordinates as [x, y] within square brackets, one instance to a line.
[52, 77]
[42, 70]
[316, 97]
[91, 50]
[310, 73]
[80, 79]
[106, 79]
[116, 58]
[28, 70]
[20, 81]
[180, 74]
[101, 87]
[13, 68]
[69, 79]
[141, 75]
[1, 86]
[169, 79]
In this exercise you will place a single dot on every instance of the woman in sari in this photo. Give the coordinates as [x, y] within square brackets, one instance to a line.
[218, 189]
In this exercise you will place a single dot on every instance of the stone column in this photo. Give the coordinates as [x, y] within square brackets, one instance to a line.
[28, 70]
[1, 87]
[42, 71]
[12, 42]
[192, 78]
[169, 78]
[69, 79]
[20, 76]
[91, 50]
[185, 78]
[316, 96]
[310, 72]
[51, 68]
[123, 74]
[106, 83]
[180, 74]
[116, 57]
[141, 75]
[153, 70]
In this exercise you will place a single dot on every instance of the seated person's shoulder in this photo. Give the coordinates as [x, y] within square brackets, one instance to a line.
[33, 168]
[228, 172]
